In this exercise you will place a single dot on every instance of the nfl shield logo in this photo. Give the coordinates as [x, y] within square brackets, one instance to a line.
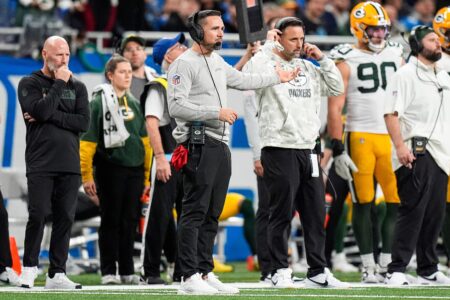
[176, 79]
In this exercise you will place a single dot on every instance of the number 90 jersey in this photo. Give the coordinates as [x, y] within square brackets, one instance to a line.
[369, 75]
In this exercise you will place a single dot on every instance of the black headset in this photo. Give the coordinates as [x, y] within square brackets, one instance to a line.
[196, 30]
[285, 22]
[414, 42]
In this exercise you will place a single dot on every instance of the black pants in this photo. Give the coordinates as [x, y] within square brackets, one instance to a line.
[422, 191]
[120, 189]
[339, 189]
[86, 209]
[287, 173]
[50, 195]
[5, 254]
[205, 180]
[161, 229]
[261, 224]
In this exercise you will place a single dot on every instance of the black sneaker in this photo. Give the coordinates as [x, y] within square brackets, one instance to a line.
[265, 278]
[144, 280]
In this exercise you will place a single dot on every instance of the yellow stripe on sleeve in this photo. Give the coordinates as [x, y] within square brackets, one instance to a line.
[87, 151]
[148, 159]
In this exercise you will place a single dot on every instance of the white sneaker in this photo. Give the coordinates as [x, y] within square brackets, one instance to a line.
[110, 279]
[213, 281]
[380, 273]
[26, 279]
[436, 278]
[340, 264]
[282, 279]
[129, 279]
[61, 282]
[411, 279]
[9, 276]
[369, 275]
[195, 285]
[326, 280]
[170, 271]
[396, 279]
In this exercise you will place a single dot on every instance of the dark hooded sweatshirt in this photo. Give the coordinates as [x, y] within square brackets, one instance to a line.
[61, 111]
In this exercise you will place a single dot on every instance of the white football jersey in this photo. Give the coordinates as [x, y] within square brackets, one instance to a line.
[444, 62]
[369, 76]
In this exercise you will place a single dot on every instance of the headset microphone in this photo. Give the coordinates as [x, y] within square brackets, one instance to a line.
[217, 45]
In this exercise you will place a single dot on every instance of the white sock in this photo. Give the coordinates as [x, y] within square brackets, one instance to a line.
[367, 260]
[385, 259]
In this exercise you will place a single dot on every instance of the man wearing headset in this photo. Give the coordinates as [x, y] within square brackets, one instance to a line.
[289, 126]
[197, 98]
[417, 111]
[441, 26]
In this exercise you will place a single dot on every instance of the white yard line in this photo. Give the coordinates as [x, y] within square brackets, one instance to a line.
[172, 293]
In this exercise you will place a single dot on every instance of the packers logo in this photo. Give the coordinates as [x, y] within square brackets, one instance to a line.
[300, 80]
[127, 113]
[359, 13]
[439, 18]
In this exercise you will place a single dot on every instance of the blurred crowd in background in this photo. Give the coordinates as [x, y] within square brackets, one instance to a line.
[321, 17]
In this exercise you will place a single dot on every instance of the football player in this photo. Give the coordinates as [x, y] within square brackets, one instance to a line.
[365, 153]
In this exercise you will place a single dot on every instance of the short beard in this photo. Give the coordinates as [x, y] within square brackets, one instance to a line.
[432, 56]
[211, 47]
[135, 67]
[51, 67]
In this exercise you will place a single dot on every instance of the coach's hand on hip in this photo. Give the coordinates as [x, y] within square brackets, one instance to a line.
[404, 155]
[227, 115]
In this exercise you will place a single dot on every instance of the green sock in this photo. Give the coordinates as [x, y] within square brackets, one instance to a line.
[341, 230]
[446, 230]
[387, 229]
[379, 210]
[362, 226]
[249, 224]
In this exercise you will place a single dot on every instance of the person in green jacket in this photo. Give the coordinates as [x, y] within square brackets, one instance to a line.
[116, 143]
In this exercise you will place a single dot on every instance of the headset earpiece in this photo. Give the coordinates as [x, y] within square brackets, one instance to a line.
[414, 43]
[195, 29]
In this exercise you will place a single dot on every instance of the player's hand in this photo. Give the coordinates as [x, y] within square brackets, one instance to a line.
[343, 165]
[163, 171]
[312, 51]
[258, 168]
[286, 76]
[227, 115]
[28, 117]
[252, 48]
[89, 188]
[404, 155]
[63, 73]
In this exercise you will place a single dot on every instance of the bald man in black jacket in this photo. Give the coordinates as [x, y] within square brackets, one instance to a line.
[55, 108]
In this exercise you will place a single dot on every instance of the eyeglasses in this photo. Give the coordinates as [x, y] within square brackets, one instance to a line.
[131, 49]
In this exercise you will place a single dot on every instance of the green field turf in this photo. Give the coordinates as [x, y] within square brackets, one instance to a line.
[239, 275]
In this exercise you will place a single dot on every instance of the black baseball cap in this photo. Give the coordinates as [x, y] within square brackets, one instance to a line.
[130, 38]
